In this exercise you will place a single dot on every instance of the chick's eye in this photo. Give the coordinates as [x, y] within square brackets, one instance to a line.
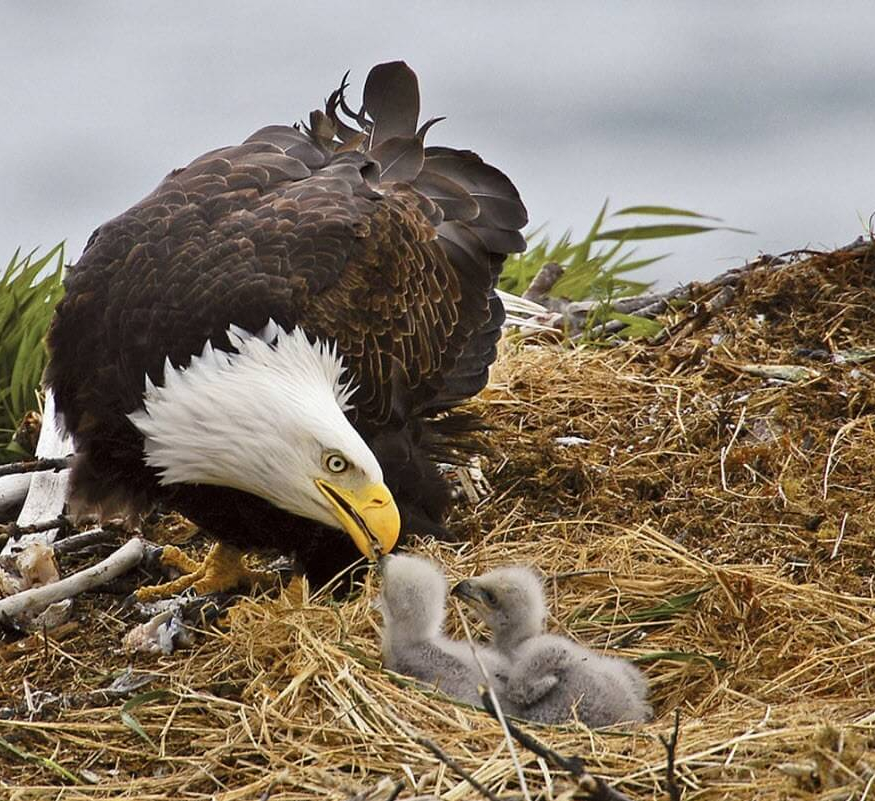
[490, 597]
[335, 463]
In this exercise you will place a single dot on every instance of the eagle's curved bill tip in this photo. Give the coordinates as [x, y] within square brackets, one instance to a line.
[368, 515]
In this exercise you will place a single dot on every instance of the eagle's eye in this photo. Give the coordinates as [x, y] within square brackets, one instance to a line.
[335, 463]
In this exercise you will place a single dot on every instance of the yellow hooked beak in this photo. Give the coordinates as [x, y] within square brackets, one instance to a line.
[369, 516]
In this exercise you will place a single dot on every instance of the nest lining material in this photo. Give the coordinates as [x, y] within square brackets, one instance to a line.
[712, 522]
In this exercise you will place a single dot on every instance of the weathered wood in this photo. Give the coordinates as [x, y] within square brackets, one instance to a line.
[543, 282]
[32, 601]
[13, 490]
[47, 491]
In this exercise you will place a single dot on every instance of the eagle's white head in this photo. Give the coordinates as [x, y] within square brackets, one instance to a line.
[269, 420]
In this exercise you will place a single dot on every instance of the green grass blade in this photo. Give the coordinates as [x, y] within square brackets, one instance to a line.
[666, 211]
[138, 700]
[45, 762]
[667, 609]
[637, 232]
[29, 291]
[637, 327]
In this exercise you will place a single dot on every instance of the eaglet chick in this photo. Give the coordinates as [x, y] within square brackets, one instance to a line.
[412, 602]
[551, 678]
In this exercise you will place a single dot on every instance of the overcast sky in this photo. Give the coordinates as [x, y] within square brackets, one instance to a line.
[762, 113]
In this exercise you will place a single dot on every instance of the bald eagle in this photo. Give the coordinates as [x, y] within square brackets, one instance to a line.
[272, 342]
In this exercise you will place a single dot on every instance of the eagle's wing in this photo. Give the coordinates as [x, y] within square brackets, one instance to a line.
[300, 228]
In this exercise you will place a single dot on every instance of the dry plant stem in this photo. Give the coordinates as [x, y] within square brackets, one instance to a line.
[674, 792]
[38, 598]
[499, 714]
[451, 763]
[595, 787]
[33, 465]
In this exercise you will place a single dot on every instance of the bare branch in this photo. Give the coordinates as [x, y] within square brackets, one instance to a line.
[15, 531]
[36, 599]
[595, 787]
[451, 763]
[76, 542]
[674, 792]
[543, 282]
[16, 468]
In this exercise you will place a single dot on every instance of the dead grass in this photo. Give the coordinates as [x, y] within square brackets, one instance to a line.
[714, 525]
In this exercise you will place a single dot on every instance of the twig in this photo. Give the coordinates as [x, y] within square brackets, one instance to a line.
[77, 542]
[724, 452]
[396, 791]
[37, 598]
[16, 531]
[451, 763]
[595, 787]
[34, 465]
[649, 305]
[674, 792]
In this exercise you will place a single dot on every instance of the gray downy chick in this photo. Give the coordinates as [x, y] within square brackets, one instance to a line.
[549, 673]
[412, 602]
[553, 679]
[510, 601]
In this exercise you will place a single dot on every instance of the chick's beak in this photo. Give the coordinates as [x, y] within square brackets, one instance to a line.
[369, 515]
[468, 592]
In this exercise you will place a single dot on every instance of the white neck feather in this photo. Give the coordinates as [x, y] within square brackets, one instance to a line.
[257, 420]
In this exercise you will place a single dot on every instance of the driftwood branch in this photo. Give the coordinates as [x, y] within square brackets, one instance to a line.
[34, 600]
[595, 787]
[13, 491]
[543, 282]
[47, 491]
[575, 314]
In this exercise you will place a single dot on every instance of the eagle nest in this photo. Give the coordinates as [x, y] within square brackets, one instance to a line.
[704, 506]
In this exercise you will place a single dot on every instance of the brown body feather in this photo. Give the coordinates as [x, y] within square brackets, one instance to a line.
[364, 237]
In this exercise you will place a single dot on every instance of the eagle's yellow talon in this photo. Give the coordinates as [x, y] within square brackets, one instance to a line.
[222, 569]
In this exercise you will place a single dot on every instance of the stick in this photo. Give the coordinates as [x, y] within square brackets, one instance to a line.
[443, 757]
[37, 598]
[32, 465]
[17, 531]
[543, 282]
[595, 787]
[674, 792]
[77, 542]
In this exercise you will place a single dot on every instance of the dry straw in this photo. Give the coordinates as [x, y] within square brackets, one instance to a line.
[688, 511]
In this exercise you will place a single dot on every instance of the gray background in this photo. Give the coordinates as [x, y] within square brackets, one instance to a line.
[760, 113]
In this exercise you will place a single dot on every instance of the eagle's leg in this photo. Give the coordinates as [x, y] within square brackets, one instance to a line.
[224, 568]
